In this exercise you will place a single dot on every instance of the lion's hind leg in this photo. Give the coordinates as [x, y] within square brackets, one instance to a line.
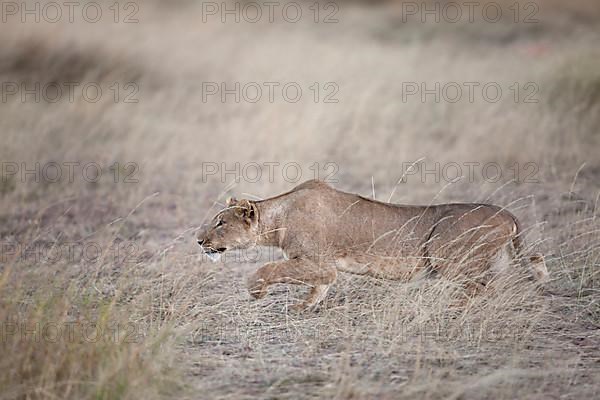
[537, 266]
[472, 254]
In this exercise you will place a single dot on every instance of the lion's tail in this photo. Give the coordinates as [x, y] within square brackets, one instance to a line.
[535, 262]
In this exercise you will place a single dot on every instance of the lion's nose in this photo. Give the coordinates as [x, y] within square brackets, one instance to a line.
[200, 242]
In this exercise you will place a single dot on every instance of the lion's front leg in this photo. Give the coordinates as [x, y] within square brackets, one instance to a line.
[298, 271]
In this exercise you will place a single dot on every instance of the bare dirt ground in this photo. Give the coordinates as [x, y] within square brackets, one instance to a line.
[117, 256]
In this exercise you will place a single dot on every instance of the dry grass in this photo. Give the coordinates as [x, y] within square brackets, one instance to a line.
[197, 332]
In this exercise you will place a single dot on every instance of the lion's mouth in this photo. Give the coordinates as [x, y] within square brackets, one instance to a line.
[209, 249]
[214, 251]
[213, 254]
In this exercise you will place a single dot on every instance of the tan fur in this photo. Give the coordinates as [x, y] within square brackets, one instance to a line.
[323, 230]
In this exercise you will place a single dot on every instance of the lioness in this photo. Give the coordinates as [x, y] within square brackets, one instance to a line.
[322, 230]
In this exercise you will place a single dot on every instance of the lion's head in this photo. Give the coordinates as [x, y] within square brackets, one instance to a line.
[234, 227]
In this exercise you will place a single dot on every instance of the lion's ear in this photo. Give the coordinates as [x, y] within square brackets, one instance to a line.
[247, 210]
[230, 201]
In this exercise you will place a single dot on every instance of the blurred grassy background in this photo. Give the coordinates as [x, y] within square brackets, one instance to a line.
[369, 135]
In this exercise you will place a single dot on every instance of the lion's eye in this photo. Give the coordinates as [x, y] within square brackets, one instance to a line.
[219, 223]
